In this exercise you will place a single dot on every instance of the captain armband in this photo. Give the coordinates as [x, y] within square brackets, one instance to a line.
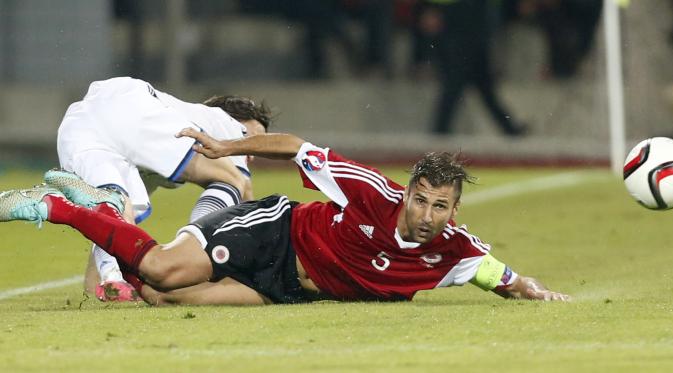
[489, 274]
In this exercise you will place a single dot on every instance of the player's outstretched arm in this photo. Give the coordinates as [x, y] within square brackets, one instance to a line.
[273, 145]
[530, 288]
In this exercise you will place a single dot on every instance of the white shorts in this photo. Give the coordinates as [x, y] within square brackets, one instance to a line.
[124, 124]
[124, 116]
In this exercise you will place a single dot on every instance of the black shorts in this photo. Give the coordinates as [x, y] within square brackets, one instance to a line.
[250, 242]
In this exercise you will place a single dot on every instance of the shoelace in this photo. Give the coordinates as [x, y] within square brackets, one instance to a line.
[39, 222]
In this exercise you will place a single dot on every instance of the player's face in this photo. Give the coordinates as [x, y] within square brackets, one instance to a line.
[253, 127]
[426, 211]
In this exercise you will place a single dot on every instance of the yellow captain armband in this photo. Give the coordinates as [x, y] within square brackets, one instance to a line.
[489, 273]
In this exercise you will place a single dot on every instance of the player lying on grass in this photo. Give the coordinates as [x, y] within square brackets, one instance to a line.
[121, 136]
[374, 240]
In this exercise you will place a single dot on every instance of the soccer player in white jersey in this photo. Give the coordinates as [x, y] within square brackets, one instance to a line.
[121, 135]
[374, 239]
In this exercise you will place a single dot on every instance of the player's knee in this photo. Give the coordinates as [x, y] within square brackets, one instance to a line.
[154, 270]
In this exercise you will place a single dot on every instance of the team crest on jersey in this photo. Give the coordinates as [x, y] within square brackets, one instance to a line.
[313, 160]
[220, 254]
[431, 259]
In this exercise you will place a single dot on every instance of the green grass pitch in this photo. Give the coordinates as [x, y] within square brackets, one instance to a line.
[586, 238]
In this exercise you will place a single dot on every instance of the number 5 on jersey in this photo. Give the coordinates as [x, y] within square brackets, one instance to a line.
[382, 261]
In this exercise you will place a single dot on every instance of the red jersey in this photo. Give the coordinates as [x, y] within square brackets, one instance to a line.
[350, 246]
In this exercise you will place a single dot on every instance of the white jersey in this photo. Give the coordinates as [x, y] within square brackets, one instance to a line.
[124, 124]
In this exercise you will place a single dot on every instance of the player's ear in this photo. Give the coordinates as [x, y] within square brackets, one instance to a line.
[455, 209]
[405, 196]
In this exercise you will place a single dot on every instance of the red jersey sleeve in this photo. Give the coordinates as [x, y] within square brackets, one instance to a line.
[342, 180]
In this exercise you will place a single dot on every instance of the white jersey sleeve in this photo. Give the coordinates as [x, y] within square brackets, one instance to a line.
[344, 181]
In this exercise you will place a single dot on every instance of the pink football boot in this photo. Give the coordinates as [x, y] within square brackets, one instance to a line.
[116, 291]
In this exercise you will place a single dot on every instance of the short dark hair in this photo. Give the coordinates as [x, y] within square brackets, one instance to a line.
[442, 168]
[242, 109]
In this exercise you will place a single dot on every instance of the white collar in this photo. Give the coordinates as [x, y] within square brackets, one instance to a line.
[405, 244]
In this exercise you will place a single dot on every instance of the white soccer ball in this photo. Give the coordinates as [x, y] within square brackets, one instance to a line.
[648, 173]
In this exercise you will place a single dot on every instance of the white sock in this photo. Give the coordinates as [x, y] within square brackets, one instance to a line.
[216, 196]
[107, 265]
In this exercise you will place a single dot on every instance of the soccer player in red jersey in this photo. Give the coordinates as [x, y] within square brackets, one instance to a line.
[375, 240]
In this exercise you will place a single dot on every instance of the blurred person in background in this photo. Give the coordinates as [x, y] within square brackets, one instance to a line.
[373, 241]
[569, 27]
[121, 136]
[668, 91]
[368, 54]
[461, 31]
[322, 20]
[131, 12]
[377, 19]
[422, 40]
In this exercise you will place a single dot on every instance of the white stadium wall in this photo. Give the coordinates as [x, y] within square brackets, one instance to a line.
[388, 119]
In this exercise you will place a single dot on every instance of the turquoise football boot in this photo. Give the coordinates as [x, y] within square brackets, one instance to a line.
[79, 192]
[26, 204]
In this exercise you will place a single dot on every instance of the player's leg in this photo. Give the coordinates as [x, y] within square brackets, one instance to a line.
[112, 285]
[91, 276]
[174, 265]
[178, 264]
[109, 170]
[216, 195]
[224, 292]
[484, 80]
[203, 171]
[102, 268]
[104, 277]
[453, 74]
[100, 264]
[113, 170]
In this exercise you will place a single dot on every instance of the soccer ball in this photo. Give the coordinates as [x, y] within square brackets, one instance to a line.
[648, 173]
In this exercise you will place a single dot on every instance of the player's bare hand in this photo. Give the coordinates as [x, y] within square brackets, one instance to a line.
[205, 144]
[533, 289]
[530, 288]
[547, 295]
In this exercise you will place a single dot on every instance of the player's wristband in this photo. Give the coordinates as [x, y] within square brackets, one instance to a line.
[489, 273]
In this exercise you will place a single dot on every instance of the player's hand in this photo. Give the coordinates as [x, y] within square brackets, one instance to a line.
[530, 288]
[533, 289]
[547, 295]
[205, 144]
